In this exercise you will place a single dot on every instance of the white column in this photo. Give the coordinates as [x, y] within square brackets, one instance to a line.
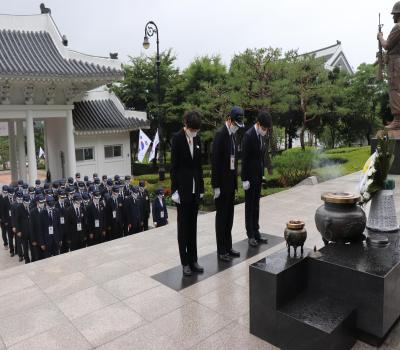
[21, 151]
[30, 141]
[13, 151]
[71, 169]
[46, 146]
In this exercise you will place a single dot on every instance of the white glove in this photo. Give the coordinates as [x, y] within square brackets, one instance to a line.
[175, 197]
[246, 185]
[217, 192]
[201, 195]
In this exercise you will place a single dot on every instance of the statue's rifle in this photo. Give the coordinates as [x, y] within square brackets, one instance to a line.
[380, 53]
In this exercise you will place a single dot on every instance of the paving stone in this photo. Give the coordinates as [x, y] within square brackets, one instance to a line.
[108, 271]
[14, 283]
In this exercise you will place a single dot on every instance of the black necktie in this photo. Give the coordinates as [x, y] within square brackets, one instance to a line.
[232, 145]
[50, 219]
[260, 140]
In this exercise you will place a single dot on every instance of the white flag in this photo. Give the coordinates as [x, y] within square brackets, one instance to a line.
[144, 144]
[41, 153]
[153, 149]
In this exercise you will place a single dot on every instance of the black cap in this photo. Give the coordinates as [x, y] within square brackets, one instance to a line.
[97, 194]
[159, 191]
[62, 194]
[70, 180]
[5, 188]
[142, 183]
[95, 175]
[26, 198]
[38, 191]
[85, 196]
[11, 190]
[46, 186]
[49, 199]
[19, 194]
[40, 198]
[20, 182]
[37, 182]
[115, 189]
[86, 178]
[109, 182]
[127, 177]
[81, 184]
[78, 175]
[31, 190]
[104, 177]
[116, 177]
[97, 181]
[236, 116]
[25, 186]
[77, 197]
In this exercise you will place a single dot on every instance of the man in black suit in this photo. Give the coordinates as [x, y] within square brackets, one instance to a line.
[224, 182]
[18, 239]
[160, 212]
[144, 204]
[96, 220]
[62, 206]
[49, 238]
[23, 225]
[114, 213]
[2, 221]
[187, 186]
[254, 149]
[35, 229]
[74, 223]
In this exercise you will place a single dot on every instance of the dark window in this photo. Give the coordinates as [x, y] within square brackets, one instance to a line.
[82, 154]
[114, 151]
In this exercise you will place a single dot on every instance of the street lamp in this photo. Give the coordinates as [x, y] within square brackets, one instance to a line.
[149, 30]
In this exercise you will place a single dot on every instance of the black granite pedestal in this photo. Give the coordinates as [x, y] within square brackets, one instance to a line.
[350, 292]
[395, 169]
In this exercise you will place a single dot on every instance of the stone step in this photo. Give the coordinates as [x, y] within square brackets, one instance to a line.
[312, 321]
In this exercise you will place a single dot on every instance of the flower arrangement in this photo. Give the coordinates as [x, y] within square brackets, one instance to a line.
[376, 169]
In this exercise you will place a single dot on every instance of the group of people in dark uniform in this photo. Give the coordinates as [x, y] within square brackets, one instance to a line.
[65, 215]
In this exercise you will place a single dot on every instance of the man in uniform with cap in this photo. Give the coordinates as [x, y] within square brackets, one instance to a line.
[392, 46]
[224, 181]
[35, 229]
[254, 150]
[3, 196]
[18, 239]
[96, 220]
[74, 223]
[62, 206]
[114, 210]
[49, 238]
[144, 204]
[23, 226]
[160, 212]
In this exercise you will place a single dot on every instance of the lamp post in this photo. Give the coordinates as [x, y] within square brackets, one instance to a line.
[149, 30]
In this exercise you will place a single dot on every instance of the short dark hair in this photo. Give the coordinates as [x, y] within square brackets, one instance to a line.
[192, 119]
[265, 119]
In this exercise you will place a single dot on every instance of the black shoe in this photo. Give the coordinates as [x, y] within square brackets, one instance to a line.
[262, 240]
[253, 242]
[187, 271]
[234, 253]
[12, 254]
[224, 257]
[197, 268]
[21, 258]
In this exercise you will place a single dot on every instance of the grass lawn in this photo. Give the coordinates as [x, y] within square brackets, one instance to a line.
[353, 159]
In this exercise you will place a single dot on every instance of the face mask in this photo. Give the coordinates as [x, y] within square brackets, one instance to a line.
[41, 205]
[96, 200]
[193, 133]
[233, 128]
[262, 132]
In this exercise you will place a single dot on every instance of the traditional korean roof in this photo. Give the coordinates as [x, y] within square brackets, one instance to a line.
[35, 54]
[32, 47]
[333, 56]
[102, 112]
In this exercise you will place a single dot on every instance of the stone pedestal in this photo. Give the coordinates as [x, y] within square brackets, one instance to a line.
[350, 292]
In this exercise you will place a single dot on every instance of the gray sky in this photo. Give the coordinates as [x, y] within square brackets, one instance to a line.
[225, 27]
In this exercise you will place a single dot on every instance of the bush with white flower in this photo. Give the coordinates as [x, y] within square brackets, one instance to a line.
[376, 169]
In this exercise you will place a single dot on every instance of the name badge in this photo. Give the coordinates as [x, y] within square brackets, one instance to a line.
[79, 226]
[62, 221]
[51, 230]
[162, 215]
[96, 223]
[232, 162]
[114, 214]
[9, 213]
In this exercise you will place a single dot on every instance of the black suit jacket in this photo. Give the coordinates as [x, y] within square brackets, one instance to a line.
[44, 236]
[22, 222]
[92, 215]
[35, 225]
[71, 220]
[222, 176]
[253, 154]
[184, 168]
[157, 209]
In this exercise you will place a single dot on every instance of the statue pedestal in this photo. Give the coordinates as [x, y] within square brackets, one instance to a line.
[350, 292]
[395, 135]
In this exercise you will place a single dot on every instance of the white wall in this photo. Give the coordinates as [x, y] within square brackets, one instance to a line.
[56, 143]
[100, 165]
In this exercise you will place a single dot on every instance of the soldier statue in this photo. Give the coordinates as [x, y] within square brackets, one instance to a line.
[392, 47]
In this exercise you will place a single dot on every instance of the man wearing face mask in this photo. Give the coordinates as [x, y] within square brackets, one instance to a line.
[160, 213]
[96, 220]
[74, 223]
[224, 182]
[35, 228]
[23, 226]
[254, 149]
[114, 214]
[49, 238]
[187, 187]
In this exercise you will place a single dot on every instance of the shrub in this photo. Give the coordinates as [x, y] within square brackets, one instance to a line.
[294, 165]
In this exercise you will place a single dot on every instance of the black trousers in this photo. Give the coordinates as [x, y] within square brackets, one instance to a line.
[52, 249]
[4, 234]
[145, 223]
[252, 210]
[10, 234]
[187, 231]
[25, 248]
[224, 205]
[18, 246]
[35, 252]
